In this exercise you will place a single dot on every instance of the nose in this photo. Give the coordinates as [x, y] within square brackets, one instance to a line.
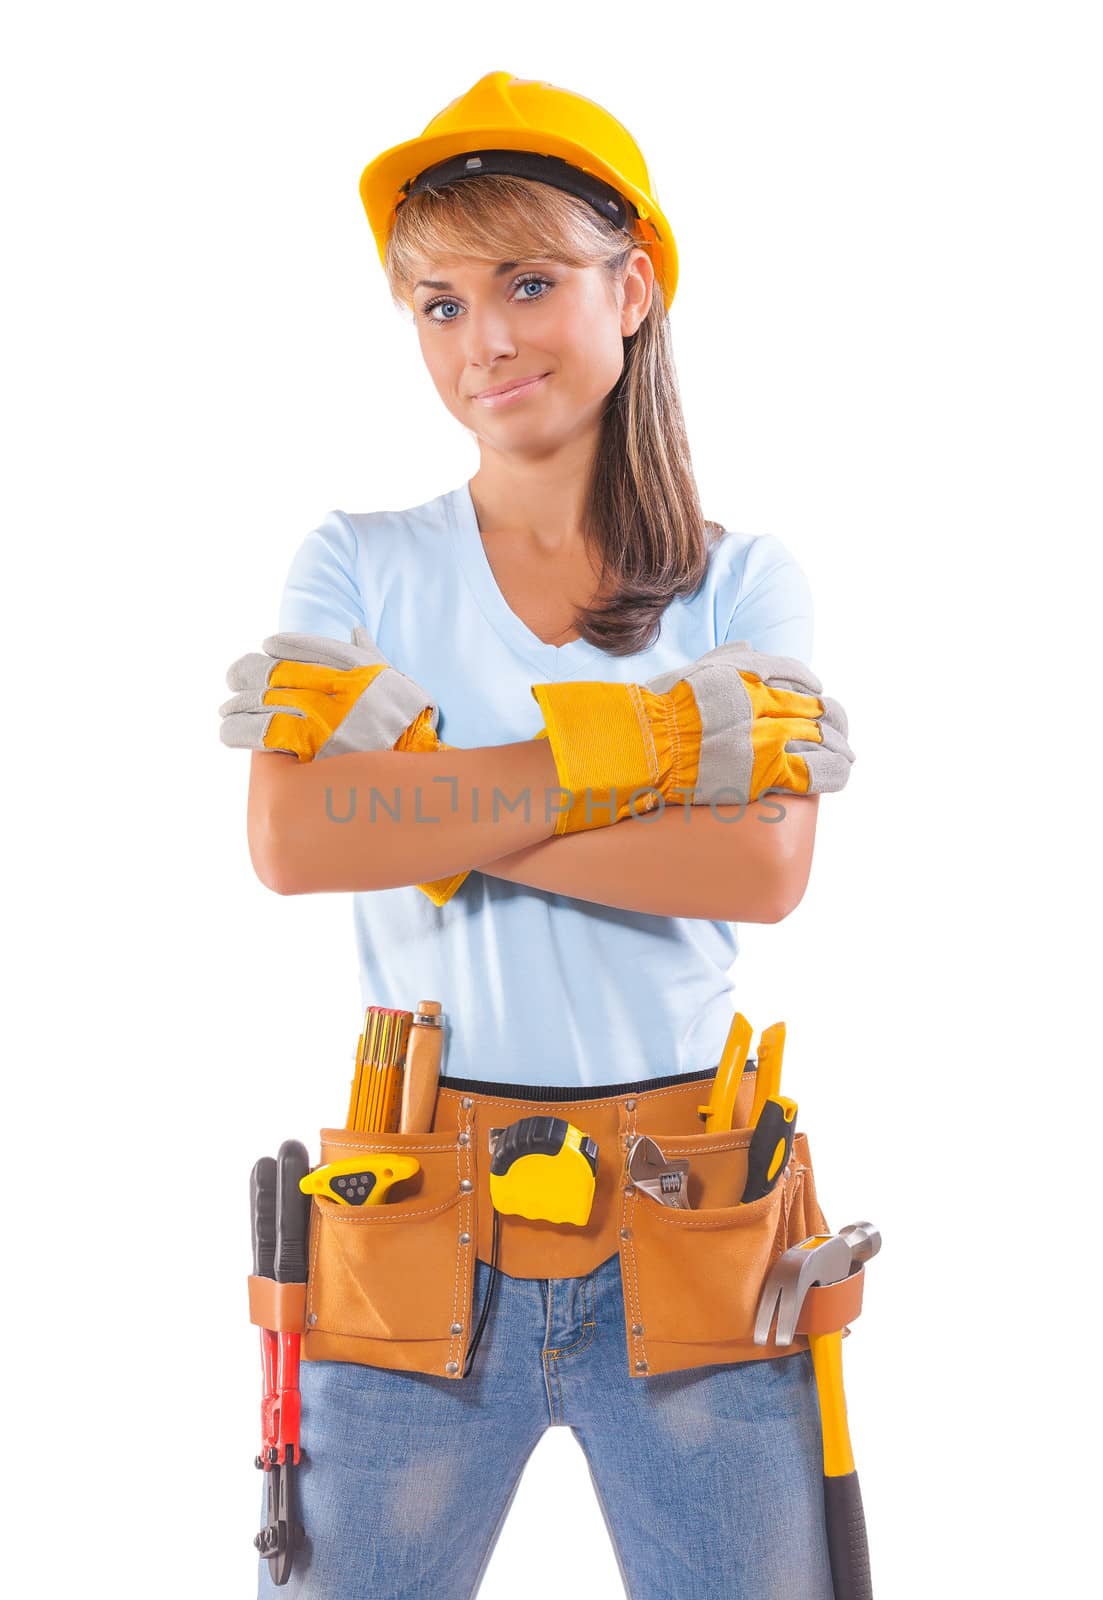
[489, 335]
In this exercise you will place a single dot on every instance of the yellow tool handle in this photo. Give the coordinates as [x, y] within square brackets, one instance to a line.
[847, 1542]
[827, 1358]
[771, 1146]
[729, 1074]
[362, 1180]
[771, 1049]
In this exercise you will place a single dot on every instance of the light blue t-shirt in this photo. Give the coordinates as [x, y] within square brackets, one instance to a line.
[537, 988]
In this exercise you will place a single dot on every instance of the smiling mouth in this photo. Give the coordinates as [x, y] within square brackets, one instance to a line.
[496, 397]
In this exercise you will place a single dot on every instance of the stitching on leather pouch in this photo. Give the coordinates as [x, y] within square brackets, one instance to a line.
[362, 1215]
[627, 1217]
[742, 1143]
[799, 1173]
[453, 1337]
[781, 1232]
[464, 1257]
[675, 1218]
[633, 1281]
[386, 1150]
[312, 1270]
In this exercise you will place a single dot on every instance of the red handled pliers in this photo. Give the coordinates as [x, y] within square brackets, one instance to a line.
[281, 1215]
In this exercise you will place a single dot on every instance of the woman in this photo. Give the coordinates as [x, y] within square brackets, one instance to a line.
[565, 630]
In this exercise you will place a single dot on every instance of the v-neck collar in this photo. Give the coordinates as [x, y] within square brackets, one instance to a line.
[554, 661]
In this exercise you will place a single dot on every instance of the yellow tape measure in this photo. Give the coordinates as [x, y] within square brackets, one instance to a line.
[543, 1168]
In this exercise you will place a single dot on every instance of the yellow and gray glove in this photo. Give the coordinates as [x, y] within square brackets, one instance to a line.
[728, 728]
[313, 697]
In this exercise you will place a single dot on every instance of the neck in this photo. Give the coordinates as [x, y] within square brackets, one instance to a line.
[541, 504]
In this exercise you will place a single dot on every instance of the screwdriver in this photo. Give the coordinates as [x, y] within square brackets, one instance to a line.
[773, 1117]
[771, 1145]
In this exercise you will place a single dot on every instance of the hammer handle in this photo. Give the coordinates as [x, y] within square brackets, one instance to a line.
[847, 1544]
[846, 1538]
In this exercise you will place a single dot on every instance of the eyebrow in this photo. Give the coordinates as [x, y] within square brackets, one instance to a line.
[437, 283]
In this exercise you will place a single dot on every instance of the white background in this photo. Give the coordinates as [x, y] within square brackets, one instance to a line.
[887, 330]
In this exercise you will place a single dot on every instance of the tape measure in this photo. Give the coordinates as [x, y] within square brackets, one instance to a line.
[543, 1168]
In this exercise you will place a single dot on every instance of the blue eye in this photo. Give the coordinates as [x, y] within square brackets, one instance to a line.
[518, 283]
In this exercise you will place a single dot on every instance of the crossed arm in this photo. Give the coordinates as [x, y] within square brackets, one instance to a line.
[381, 819]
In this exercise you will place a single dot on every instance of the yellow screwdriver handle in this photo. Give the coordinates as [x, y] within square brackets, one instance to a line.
[771, 1049]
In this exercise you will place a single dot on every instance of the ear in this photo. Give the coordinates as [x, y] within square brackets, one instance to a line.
[638, 287]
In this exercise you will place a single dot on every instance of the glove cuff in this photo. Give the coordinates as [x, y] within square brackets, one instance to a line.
[610, 741]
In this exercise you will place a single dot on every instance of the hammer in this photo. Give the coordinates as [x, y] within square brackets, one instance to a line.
[824, 1259]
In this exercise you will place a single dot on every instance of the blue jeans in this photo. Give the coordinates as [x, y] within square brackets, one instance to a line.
[710, 1481]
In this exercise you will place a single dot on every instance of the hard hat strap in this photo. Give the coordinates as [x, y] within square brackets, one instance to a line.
[528, 164]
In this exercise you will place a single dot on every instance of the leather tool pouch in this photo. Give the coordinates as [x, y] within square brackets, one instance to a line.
[392, 1285]
[692, 1278]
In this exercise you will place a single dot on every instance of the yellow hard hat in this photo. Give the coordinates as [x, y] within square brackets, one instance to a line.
[532, 130]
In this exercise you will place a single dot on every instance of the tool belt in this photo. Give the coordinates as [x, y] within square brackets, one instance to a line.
[392, 1285]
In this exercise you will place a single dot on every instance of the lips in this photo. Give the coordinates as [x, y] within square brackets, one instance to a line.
[504, 390]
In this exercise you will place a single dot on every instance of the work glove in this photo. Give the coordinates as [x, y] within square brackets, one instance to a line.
[313, 697]
[729, 727]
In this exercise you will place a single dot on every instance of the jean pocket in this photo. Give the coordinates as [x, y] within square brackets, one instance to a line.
[391, 1284]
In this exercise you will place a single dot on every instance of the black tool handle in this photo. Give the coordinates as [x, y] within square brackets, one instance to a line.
[292, 1212]
[770, 1130]
[846, 1538]
[262, 1200]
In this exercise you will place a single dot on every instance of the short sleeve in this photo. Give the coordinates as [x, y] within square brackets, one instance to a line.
[773, 612]
[322, 592]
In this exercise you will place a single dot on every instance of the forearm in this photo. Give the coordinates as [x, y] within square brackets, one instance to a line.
[382, 818]
[725, 863]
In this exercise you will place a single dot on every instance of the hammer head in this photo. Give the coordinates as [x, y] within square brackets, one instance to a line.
[822, 1258]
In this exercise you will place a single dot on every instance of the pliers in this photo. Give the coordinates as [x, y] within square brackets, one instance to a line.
[281, 1213]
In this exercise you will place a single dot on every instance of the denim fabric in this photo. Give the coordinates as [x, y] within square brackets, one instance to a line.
[710, 1481]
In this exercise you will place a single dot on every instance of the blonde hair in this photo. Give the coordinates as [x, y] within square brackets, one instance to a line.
[644, 518]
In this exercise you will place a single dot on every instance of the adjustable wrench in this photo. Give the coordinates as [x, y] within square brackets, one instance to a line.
[665, 1181]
